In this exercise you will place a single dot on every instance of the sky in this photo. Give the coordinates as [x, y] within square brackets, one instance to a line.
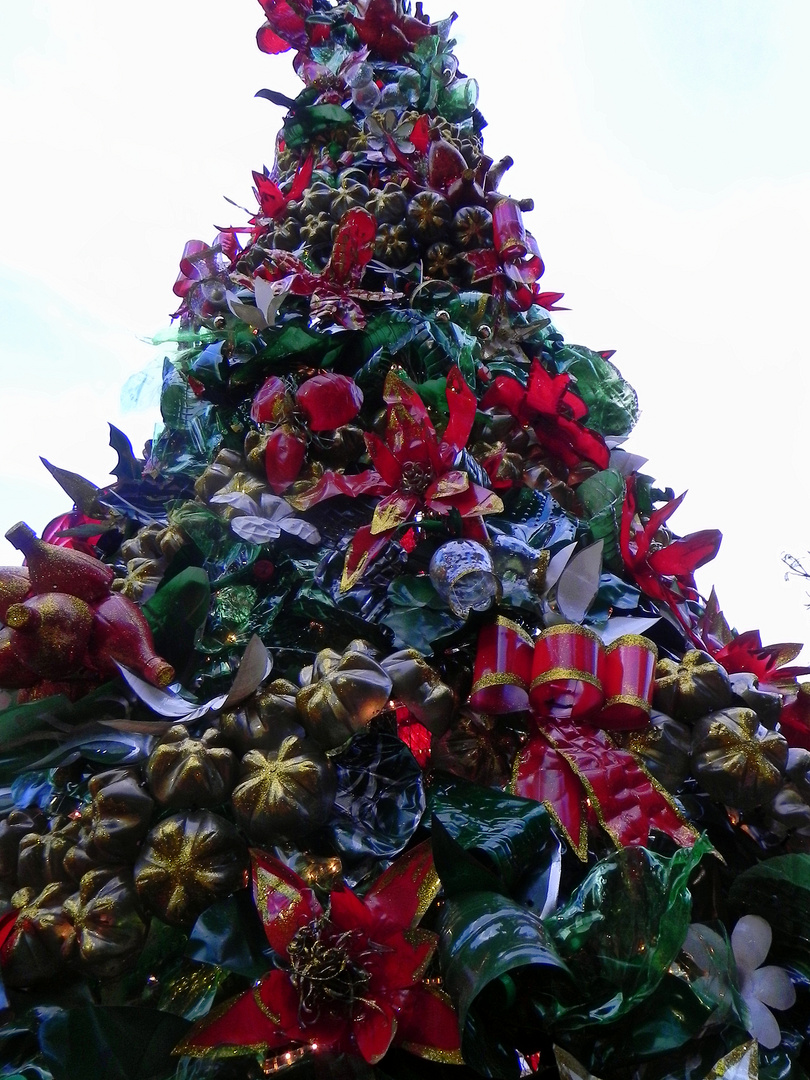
[665, 146]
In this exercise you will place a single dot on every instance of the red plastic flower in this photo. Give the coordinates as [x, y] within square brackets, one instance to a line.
[287, 27]
[387, 30]
[349, 976]
[553, 412]
[746, 653]
[665, 573]
[416, 469]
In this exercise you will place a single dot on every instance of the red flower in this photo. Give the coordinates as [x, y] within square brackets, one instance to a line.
[416, 469]
[350, 976]
[287, 27]
[666, 573]
[746, 653]
[554, 412]
[387, 31]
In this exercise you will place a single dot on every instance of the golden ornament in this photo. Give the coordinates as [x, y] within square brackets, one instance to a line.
[736, 760]
[264, 719]
[109, 928]
[286, 792]
[188, 862]
[344, 701]
[691, 688]
[183, 771]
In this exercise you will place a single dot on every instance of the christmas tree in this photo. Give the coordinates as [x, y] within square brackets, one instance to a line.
[372, 723]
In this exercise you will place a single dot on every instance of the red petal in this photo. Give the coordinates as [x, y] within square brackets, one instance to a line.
[329, 400]
[384, 460]
[331, 484]
[302, 178]
[374, 1031]
[462, 404]
[428, 1026]
[683, 557]
[420, 136]
[545, 392]
[402, 894]
[241, 1025]
[361, 552]
[284, 901]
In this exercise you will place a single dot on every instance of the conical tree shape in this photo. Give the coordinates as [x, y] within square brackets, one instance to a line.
[478, 793]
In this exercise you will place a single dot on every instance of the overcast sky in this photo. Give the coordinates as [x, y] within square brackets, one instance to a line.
[665, 146]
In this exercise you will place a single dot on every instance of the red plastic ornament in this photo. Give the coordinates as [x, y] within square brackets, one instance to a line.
[120, 632]
[62, 570]
[503, 667]
[15, 586]
[509, 232]
[50, 633]
[628, 683]
[329, 400]
[283, 457]
[567, 672]
[271, 405]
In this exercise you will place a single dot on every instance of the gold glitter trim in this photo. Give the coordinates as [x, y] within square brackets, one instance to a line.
[569, 674]
[415, 936]
[498, 678]
[633, 639]
[264, 1009]
[735, 1058]
[628, 699]
[521, 633]
[231, 1050]
[568, 628]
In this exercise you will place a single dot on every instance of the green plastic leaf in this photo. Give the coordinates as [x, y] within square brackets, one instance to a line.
[612, 402]
[176, 612]
[602, 496]
[778, 890]
[484, 938]
[302, 126]
[115, 1042]
[230, 935]
[506, 834]
[623, 927]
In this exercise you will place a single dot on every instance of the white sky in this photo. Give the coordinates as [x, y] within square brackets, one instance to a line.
[666, 147]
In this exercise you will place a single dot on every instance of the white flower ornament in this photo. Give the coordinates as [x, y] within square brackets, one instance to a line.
[760, 987]
[261, 522]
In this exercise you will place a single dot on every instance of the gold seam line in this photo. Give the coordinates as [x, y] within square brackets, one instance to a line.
[516, 627]
[633, 639]
[571, 628]
[569, 674]
[498, 678]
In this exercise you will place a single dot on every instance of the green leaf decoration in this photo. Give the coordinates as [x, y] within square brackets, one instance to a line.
[311, 121]
[778, 890]
[623, 927]
[418, 615]
[117, 1043]
[602, 496]
[176, 612]
[507, 835]
[612, 402]
[230, 935]
[485, 938]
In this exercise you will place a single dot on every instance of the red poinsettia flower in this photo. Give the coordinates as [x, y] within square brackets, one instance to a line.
[416, 470]
[746, 653]
[334, 291]
[665, 573]
[349, 977]
[551, 409]
[386, 30]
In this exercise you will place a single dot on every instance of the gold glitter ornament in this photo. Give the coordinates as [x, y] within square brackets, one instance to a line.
[108, 924]
[420, 689]
[736, 760]
[344, 701]
[43, 938]
[388, 204]
[477, 747]
[691, 688]
[120, 814]
[18, 824]
[183, 771]
[287, 792]
[41, 856]
[188, 862]
[766, 705]
[263, 720]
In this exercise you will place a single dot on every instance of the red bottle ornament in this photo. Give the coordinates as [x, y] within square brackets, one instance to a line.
[567, 672]
[503, 668]
[50, 633]
[15, 585]
[629, 681]
[120, 632]
[59, 569]
[509, 231]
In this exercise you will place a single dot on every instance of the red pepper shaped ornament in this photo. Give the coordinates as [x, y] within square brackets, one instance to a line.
[59, 569]
[121, 633]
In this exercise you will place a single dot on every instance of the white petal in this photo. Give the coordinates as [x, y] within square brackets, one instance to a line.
[772, 986]
[750, 942]
[238, 500]
[274, 508]
[762, 1024]
[256, 530]
[304, 530]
